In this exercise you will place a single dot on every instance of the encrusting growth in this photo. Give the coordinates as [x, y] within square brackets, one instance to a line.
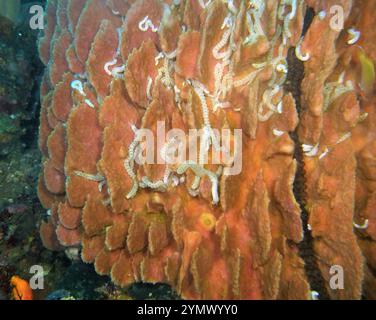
[116, 69]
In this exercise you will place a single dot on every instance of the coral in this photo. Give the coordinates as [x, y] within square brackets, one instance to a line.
[338, 119]
[303, 199]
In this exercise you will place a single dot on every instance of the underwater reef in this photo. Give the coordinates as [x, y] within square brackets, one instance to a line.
[301, 91]
[20, 210]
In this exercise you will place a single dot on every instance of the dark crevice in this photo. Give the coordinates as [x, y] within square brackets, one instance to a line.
[310, 14]
[32, 124]
[293, 85]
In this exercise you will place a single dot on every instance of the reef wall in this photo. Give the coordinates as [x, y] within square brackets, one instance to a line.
[303, 200]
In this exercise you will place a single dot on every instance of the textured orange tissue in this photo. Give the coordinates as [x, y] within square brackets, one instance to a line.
[116, 66]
